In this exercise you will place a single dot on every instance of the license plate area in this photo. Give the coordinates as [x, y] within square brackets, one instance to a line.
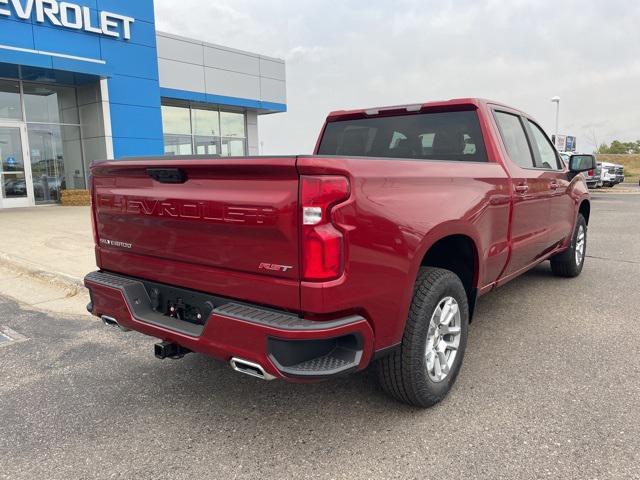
[180, 303]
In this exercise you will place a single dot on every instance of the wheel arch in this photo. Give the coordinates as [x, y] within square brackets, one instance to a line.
[457, 253]
[441, 248]
[585, 210]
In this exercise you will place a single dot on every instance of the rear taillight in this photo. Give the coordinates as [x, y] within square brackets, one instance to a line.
[322, 243]
[94, 206]
[590, 172]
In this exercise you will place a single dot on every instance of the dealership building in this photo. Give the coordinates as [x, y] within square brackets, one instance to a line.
[88, 80]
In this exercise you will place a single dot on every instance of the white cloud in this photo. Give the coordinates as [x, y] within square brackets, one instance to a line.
[357, 53]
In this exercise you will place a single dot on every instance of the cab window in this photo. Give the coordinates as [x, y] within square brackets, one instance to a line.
[514, 138]
[449, 136]
[548, 157]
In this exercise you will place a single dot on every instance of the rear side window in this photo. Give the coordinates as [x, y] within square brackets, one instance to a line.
[428, 136]
[548, 158]
[514, 138]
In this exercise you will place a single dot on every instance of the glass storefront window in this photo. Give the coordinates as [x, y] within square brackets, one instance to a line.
[176, 120]
[232, 124]
[14, 184]
[47, 120]
[205, 122]
[56, 160]
[191, 130]
[10, 106]
[233, 147]
[178, 145]
[207, 145]
[50, 104]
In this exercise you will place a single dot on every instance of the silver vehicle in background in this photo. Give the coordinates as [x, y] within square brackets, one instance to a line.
[599, 183]
[609, 175]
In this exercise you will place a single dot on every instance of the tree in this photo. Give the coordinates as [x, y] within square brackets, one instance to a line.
[620, 148]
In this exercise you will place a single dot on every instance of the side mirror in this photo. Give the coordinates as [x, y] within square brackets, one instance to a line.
[582, 163]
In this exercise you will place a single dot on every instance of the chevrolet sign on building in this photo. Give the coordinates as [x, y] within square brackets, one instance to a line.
[70, 15]
[88, 80]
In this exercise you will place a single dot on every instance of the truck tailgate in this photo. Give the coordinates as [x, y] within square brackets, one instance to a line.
[223, 226]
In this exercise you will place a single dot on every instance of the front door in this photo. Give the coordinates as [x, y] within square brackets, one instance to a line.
[562, 206]
[16, 187]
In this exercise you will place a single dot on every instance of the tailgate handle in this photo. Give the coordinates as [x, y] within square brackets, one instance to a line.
[167, 175]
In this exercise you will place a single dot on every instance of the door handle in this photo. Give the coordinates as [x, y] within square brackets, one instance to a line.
[554, 186]
[522, 189]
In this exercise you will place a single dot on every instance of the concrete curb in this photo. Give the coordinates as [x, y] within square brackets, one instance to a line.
[70, 285]
[614, 192]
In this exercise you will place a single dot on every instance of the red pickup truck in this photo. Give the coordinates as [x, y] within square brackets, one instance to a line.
[375, 248]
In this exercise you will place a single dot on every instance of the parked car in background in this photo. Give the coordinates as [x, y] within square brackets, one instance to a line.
[619, 173]
[599, 175]
[608, 174]
[591, 177]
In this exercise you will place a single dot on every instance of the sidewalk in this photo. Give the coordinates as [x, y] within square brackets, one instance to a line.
[54, 244]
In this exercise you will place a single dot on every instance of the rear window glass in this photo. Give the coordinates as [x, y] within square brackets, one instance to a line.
[428, 136]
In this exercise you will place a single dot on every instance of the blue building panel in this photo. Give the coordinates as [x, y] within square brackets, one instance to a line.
[143, 33]
[136, 147]
[66, 42]
[142, 92]
[25, 58]
[130, 121]
[16, 34]
[131, 59]
[80, 66]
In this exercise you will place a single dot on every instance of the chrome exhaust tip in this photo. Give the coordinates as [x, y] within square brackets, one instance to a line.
[113, 323]
[250, 368]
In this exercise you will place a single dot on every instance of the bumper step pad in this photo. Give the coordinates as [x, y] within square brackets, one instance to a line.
[340, 360]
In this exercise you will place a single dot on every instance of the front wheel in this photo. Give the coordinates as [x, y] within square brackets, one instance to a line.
[422, 371]
[570, 262]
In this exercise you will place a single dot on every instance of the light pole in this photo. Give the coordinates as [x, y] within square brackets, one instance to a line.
[556, 100]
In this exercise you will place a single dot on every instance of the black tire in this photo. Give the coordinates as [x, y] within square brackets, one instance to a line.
[566, 264]
[403, 374]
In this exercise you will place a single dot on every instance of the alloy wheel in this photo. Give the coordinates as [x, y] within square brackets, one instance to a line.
[443, 339]
[580, 245]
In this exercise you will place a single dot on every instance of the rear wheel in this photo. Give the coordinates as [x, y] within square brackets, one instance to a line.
[423, 370]
[569, 263]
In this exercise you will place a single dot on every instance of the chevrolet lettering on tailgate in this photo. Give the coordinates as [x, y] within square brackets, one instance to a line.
[201, 210]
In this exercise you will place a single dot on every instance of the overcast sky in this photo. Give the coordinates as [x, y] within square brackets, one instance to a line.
[363, 53]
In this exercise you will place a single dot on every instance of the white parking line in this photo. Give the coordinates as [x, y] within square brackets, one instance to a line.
[9, 337]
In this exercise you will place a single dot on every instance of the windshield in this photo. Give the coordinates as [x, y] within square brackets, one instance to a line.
[429, 136]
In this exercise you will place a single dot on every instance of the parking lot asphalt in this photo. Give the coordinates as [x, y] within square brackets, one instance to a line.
[550, 388]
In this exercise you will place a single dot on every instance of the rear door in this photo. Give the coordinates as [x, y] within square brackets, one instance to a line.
[531, 194]
[224, 226]
[553, 171]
